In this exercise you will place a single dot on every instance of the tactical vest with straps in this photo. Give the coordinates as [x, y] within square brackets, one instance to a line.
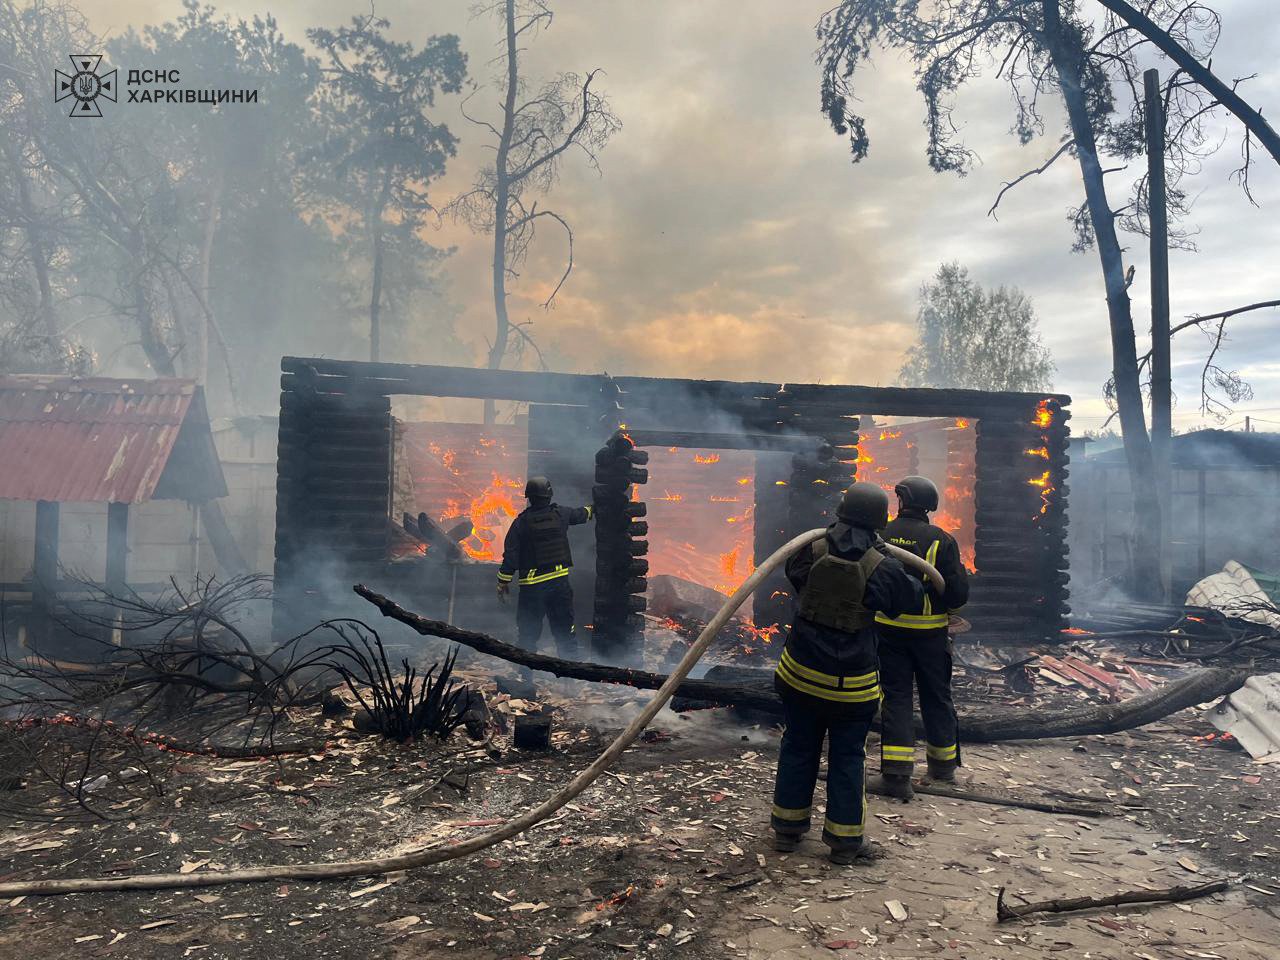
[833, 594]
[548, 538]
[923, 539]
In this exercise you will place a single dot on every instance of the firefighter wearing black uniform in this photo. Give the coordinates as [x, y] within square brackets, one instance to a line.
[827, 676]
[536, 555]
[915, 647]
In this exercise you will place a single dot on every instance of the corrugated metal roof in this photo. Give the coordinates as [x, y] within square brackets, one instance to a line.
[87, 439]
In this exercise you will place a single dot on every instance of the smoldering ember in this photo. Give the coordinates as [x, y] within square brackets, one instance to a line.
[533, 479]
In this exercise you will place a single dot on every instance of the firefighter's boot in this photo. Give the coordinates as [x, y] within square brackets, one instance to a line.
[895, 785]
[786, 842]
[865, 852]
[942, 771]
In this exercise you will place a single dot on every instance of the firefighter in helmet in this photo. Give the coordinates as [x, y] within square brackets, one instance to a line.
[827, 676]
[536, 554]
[915, 649]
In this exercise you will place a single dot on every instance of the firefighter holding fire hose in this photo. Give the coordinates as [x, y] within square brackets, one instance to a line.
[915, 649]
[827, 676]
[536, 554]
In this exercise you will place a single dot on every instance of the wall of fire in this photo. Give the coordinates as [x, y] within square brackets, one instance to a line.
[730, 470]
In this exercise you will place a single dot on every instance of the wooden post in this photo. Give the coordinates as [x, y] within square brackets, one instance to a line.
[44, 585]
[1161, 377]
[117, 547]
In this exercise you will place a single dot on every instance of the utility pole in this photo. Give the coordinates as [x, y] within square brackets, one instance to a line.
[1161, 376]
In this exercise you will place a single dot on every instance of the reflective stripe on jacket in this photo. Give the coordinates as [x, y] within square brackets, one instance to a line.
[524, 542]
[928, 618]
[912, 531]
[833, 667]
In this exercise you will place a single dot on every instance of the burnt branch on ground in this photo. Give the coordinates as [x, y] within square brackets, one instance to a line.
[93, 725]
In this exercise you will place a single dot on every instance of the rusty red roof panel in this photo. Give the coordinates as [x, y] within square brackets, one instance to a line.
[87, 439]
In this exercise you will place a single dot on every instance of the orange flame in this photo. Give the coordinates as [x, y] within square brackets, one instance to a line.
[490, 514]
[706, 458]
[1044, 416]
[962, 423]
[1045, 483]
[1041, 452]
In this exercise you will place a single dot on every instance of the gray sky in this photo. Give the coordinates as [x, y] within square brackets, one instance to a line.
[730, 237]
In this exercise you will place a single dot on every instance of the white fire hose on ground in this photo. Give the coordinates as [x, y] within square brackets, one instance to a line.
[440, 853]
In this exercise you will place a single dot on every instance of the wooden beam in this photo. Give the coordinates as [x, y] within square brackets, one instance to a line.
[770, 443]
[346, 376]
[353, 376]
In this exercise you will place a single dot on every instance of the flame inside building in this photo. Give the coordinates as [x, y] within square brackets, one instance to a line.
[701, 503]
[701, 526]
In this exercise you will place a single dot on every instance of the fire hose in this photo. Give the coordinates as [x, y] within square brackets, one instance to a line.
[427, 856]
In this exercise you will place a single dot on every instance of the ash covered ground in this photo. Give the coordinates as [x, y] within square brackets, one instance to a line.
[667, 854]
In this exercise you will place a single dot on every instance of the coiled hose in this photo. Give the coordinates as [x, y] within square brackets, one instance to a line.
[440, 853]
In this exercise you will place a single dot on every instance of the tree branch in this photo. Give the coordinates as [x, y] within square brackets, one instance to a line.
[1030, 173]
[1251, 118]
[1224, 315]
[570, 138]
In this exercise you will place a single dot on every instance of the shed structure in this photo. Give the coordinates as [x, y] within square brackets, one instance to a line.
[100, 441]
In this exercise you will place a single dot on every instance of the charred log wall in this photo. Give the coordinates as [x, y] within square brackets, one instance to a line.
[333, 494]
[621, 568]
[335, 450]
[1020, 591]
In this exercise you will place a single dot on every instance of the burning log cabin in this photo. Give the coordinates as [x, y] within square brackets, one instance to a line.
[694, 479]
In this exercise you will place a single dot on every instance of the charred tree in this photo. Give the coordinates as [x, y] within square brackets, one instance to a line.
[1067, 51]
[530, 142]
[1094, 66]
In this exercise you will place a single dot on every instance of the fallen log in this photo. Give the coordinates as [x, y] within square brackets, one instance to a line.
[725, 694]
[1197, 686]
[1007, 800]
[1067, 904]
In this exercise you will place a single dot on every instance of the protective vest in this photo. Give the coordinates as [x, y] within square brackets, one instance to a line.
[548, 538]
[833, 593]
[922, 539]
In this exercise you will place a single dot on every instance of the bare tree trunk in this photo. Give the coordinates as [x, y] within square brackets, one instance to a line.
[150, 336]
[1161, 377]
[201, 362]
[375, 297]
[379, 249]
[1068, 61]
[502, 328]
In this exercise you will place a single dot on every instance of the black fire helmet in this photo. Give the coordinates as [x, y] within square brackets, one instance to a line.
[864, 505]
[918, 492]
[538, 488]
